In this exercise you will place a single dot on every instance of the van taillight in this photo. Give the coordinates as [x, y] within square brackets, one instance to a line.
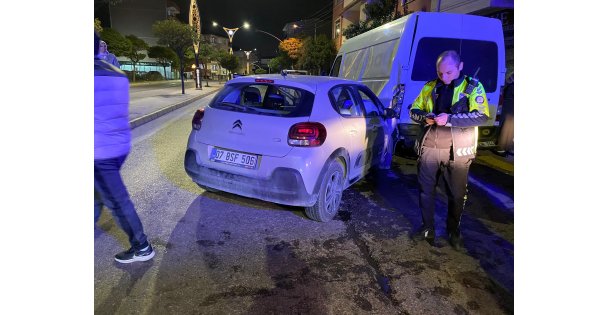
[197, 119]
[307, 134]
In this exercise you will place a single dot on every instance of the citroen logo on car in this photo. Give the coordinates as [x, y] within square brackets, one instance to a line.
[237, 123]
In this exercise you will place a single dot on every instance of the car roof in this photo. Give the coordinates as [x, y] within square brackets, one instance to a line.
[308, 82]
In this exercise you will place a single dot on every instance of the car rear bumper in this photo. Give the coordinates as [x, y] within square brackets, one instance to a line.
[285, 186]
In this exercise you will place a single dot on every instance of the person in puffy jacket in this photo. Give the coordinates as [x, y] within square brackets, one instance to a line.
[449, 109]
[112, 146]
[106, 55]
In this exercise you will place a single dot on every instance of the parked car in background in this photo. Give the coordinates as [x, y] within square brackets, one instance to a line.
[289, 139]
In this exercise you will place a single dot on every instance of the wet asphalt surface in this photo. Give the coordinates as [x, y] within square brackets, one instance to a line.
[218, 253]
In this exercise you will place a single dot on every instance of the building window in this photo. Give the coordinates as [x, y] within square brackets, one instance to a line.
[337, 29]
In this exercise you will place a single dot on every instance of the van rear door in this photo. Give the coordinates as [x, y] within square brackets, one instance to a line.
[478, 40]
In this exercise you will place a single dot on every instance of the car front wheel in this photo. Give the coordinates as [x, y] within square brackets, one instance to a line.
[330, 194]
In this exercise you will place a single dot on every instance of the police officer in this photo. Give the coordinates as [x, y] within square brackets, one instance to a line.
[449, 109]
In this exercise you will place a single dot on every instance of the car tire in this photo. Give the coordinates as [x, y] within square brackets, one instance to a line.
[330, 194]
[209, 189]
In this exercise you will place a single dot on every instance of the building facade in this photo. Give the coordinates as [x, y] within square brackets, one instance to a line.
[349, 12]
[136, 17]
[212, 68]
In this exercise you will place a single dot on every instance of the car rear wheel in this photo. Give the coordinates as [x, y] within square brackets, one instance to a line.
[330, 194]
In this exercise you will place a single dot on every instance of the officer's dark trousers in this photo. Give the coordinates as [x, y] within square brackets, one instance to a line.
[432, 164]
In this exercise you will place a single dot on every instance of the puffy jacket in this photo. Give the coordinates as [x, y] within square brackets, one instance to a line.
[112, 129]
[464, 125]
[110, 58]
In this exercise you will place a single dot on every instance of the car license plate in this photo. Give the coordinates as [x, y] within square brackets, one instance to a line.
[233, 158]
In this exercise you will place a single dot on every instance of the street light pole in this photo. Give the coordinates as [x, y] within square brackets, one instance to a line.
[194, 20]
[247, 52]
[231, 31]
[258, 30]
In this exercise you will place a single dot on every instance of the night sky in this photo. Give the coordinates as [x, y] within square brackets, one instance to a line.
[266, 15]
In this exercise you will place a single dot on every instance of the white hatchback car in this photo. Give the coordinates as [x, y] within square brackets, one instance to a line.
[293, 140]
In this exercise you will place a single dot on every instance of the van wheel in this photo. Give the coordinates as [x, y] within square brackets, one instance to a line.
[209, 189]
[330, 194]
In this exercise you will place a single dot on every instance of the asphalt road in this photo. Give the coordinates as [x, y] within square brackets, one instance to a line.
[218, 253]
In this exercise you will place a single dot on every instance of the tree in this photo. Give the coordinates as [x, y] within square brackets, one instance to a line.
[163, 55]
[137, 44]
[292, 46]
[228, 61]
[378, 12]
[279, 63]
[207, 53]
[98, 27]
[317, 54]
[177, 36]
[117, 44]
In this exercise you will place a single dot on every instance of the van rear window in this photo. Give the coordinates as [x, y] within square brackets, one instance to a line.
[473, 53]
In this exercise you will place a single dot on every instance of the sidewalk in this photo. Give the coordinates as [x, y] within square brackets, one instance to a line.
[505, 164]
[154, 105]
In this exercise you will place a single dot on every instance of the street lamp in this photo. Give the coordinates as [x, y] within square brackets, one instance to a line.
[231, 32]
[247, 52]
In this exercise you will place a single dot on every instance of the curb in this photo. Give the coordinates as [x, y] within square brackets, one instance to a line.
[149, 117]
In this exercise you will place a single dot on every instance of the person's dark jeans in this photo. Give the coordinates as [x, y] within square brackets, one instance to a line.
[111, 192]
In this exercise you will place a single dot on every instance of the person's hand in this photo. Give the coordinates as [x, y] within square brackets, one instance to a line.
[430, 120]
[442, 119]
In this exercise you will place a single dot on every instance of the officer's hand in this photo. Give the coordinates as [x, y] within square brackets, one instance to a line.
[430, 121]
[441, 119]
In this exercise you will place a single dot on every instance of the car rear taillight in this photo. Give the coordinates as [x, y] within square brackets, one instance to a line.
[307, 134]
[198, 119]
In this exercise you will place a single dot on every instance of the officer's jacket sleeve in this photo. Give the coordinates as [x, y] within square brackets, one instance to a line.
[421, 107]
[478, 110]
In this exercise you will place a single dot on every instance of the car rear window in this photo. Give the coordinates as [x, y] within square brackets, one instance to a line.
[264, 99]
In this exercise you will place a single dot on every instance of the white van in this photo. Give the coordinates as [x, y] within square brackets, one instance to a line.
[404, 51]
